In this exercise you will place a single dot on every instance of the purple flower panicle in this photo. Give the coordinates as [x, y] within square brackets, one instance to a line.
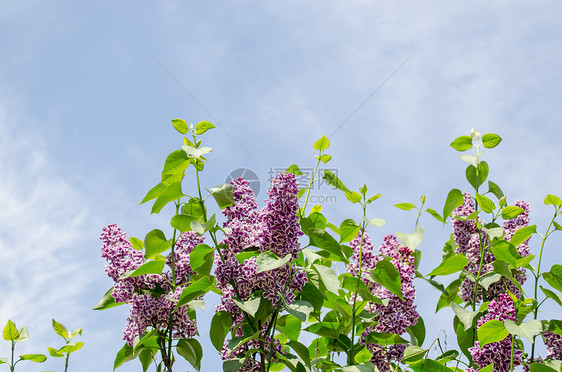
[276, 229]
[398, 314]
[469, 237]
[499, 352]
[148, 310]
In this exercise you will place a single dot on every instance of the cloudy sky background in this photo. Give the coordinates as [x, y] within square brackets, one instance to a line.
[88, 89]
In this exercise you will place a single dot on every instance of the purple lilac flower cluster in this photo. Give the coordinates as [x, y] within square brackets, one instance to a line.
[469, 237]
[148, 310]
[499, 352]
[398, 314]
[553, 344]
[275, 229]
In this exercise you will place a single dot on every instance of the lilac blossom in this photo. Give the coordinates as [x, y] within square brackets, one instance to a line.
[553, 344]
[275, 229]
[148, 310]
[499, 352]
[469, 239]
[398, 314]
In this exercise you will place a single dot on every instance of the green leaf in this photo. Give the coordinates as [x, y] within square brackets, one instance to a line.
[149, 267]
[107, 301]
[491, 331]
[554, 277]
[528, 329]
[462, 143]
[363, 367]
[334, 181]
[250, 306]
[428, 365]
[329, 278]
[465, 339]
[405, 206]
[182, 222]
[171, 193]
[386, 274]
[196, 153]
[155, 243]
[552, 295]
[180, 125]
[175, 163]
[486, 204]
[413, 353]
[191, 350]
[322, 144]
[312, 295]
[505, 251]
[363, 355]
[502, 267]
[194, 290]
[70, 348]
[373, 198]
[511, 212]
[154, 192]
[60, 329]
[523, 234]
[491, 140]
[267, 261]
[201, 259]
[552, 200]
[539, 367]
[54, 353]
[220, 326]
[378, 222]
[294, 169]
[466, 317]
[476, 179]
[124, 355]
[301, 350]
[435, 215]
[348, 230]
[290, 326]
[10, 332]
[412, 241]
[495, 189]
[451, 265]
[202, 127]
[447, 356]
[363, 189]
[322, 239]
[223, 195]
[299, 308]
[37, 358]
[417, 332]
[136, 243]
[326, 329]
[353, 196]
[454, 200]
[324, 158]
[488, 368]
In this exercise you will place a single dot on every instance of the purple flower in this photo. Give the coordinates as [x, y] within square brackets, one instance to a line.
[553, 344]
[275, 229]
[398, 314]
[499, 352]
[148, 310]
[469, 238]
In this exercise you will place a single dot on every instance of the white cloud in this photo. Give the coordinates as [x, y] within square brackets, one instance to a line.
[42, 221]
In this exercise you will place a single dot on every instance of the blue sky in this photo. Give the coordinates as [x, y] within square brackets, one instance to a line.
[86, 100]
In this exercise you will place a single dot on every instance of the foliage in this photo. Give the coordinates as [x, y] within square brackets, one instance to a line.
[284, 271]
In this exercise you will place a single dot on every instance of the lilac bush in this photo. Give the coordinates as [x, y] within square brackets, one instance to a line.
[278, 272]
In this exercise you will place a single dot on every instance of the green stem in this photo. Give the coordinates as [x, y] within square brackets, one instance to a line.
[310, 185]
[66, 363]
[13, 365]
[538, 274]
[350, 354]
